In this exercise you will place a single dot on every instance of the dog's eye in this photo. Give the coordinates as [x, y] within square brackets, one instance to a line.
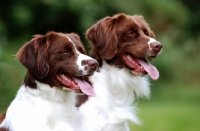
[65, 52]
[146, 32]
[131, 33]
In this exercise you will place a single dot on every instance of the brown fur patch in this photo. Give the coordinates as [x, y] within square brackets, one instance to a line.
[2, 117]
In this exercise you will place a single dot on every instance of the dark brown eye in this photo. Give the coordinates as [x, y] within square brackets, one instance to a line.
[146, 32]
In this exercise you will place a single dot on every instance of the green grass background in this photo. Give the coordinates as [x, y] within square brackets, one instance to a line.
[174, 109]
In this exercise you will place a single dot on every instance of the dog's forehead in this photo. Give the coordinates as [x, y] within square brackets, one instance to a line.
[76, 43]
[131, 23]
[139, 20]
[73, 40]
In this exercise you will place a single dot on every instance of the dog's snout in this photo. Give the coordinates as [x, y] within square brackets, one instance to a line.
[92, 64]
[156, 46]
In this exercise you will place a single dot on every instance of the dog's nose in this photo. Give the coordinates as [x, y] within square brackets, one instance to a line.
[156, 46]
[92, 64]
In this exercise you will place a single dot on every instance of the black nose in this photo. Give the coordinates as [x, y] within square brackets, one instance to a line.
[156, 46]
[92, 64]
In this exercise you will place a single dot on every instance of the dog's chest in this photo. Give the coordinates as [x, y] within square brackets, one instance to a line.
[116, 90]
[30, 111]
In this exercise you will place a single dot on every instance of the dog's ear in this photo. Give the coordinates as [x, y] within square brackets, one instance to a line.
[103, 37]
[34, 56]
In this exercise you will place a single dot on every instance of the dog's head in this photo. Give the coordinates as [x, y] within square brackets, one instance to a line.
[58, 60]
[125, 41]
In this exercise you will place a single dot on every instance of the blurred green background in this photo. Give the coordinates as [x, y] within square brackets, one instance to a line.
[175, 99]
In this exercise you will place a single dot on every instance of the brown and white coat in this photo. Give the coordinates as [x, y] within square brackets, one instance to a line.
[121, 45]
[56, 66]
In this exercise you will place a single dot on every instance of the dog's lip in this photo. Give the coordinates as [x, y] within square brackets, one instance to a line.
[151, 58]
[76, 84]
[67, 81]
[132, 62]
[140, 66]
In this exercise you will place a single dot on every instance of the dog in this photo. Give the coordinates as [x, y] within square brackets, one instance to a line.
[121, 44]
[56, 69]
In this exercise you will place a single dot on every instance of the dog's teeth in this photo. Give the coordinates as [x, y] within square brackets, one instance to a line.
[66, 79]
[128, 57]
[63, 76]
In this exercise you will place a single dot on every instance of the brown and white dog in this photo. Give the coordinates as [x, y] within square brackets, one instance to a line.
[56, 65]
[121, 45]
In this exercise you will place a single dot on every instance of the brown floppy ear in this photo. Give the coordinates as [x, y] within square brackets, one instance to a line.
[103, 37]
[34, 56]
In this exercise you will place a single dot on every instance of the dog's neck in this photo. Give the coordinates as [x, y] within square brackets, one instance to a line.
[46, 92]
[29, 81]
[121, 81]
[117, 88]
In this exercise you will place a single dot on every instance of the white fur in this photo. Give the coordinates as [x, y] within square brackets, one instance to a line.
[116, 90]
[43, 109]
[80, 58]
[150, 41]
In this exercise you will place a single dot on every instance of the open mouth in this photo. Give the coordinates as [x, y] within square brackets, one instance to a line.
[140, 66]
[77, 84]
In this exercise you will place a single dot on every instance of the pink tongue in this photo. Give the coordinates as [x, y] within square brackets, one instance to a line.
[150, 69]
[85, 87]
